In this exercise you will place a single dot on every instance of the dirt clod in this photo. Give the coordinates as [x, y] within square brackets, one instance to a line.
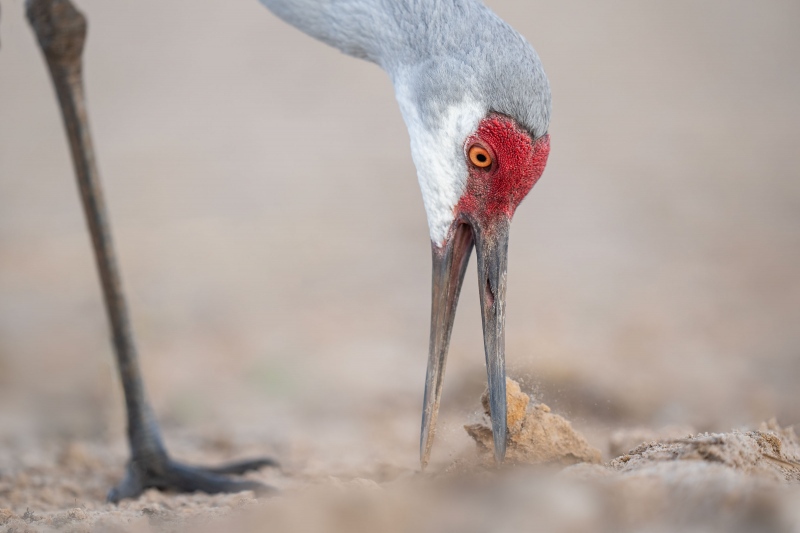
[771, 451]
[535, 435]
[5, 516]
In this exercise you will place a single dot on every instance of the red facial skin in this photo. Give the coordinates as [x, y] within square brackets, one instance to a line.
[517, 164]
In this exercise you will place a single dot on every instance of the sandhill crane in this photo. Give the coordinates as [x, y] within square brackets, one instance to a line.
[476, 102]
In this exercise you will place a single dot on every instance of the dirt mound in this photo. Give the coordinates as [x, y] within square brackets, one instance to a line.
[535, 435]
[770, 451]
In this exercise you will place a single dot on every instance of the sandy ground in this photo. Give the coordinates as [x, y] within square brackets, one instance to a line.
[274, 248]
[740, 481]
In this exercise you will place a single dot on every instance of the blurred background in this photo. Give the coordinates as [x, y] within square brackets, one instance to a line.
[276, 257]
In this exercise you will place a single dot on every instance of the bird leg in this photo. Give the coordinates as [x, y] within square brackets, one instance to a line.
[61, 31]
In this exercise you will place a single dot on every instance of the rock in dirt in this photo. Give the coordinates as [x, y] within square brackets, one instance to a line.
[535, 435]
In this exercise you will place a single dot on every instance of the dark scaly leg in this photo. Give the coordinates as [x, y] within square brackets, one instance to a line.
[61, 30]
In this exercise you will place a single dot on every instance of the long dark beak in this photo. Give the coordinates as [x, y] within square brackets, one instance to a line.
[449, 265]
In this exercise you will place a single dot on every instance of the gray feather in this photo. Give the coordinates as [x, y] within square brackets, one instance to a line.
[447, 50]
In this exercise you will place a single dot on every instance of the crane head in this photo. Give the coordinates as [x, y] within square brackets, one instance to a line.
[503, 163]
[478, 125]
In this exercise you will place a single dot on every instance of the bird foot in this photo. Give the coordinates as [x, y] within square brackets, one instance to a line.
[167, 475]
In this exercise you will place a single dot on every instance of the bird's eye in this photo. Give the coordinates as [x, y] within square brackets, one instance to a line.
[480, 156]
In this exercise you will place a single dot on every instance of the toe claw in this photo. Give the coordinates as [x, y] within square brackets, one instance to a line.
[241, 467]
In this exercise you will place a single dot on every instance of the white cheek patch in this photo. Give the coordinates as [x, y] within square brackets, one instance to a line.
[439, 158]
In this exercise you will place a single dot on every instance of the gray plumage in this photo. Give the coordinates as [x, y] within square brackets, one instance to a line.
[444, 51]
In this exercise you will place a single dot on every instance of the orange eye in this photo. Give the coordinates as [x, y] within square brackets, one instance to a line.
[480, 156]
